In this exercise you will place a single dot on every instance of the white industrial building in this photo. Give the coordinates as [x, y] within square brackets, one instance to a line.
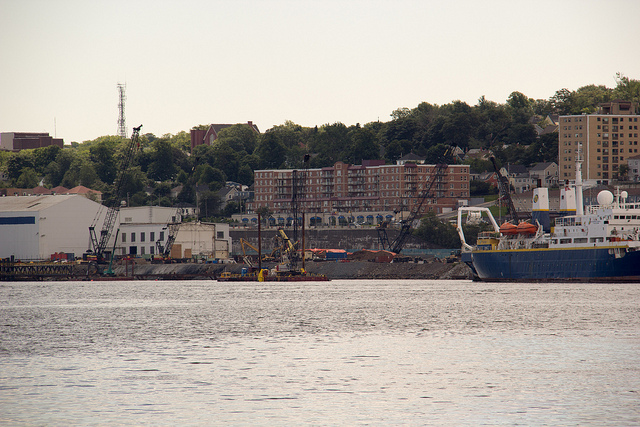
[202, 239]
[140, 228]
[35, 227]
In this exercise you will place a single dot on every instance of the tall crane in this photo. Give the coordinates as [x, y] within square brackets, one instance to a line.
[99, 242]
[506, 191]
[172, 232]
[407, 223]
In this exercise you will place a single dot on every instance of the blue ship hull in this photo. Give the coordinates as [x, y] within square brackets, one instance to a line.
[546, 265]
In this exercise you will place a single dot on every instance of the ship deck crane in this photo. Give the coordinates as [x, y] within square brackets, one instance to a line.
[99, 242]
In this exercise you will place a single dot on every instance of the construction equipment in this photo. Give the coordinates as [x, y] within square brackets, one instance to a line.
[172, 231]
[245, 257]
[406, 224]
[99, 243]
[506, 192]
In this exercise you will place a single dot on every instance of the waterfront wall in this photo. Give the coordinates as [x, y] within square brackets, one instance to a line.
[323, 238]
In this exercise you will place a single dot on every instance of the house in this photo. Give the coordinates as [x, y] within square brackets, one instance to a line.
[228, 194]
[510, 170]
[544, 174]
[86, 192]
[207, 136]
[410, 158]
[521, 182]
[175, 191]
[490, 177]
[478, 153]
[634, 168]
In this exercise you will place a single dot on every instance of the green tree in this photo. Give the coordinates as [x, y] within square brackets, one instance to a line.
[271, 151]
[18, 162]
[240, 138]
[28, 178]
[102, 155]
[627, 89]
[436, 232]
[209, 204]
[363, 145]
[162, 166]
[43, 156]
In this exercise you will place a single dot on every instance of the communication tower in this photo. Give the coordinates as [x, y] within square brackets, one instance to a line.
[122, 123]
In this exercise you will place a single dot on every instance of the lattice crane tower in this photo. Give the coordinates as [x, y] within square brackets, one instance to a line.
[122, 122]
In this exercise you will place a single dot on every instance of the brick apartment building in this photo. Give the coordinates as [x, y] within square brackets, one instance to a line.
[16, 141]
[359, 193]
[609, 138]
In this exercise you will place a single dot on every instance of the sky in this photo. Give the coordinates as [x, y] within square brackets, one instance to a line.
[193, 62]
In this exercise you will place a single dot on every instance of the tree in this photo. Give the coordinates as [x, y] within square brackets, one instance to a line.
[209, 204]
[102, 155]
[436, 232]
[363, 145]
[271, 151]
[627, 89]
[27, 178]
[264, 212]
[17, 163]
[162, 167]
[623, 171]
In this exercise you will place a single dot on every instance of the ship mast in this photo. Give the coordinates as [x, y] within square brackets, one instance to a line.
[579, 200]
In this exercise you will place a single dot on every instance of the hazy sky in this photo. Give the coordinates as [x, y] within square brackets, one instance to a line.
[193, 62]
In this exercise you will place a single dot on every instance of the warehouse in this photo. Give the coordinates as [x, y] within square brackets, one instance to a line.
[35, 227]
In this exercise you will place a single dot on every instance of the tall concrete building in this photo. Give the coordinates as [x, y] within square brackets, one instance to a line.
[609, 137]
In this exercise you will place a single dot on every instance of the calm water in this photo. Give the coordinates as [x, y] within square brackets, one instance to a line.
[331, 353]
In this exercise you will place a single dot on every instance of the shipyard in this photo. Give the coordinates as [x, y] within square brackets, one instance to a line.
[306, 213]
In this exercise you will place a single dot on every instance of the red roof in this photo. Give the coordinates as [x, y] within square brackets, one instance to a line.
[81, 189]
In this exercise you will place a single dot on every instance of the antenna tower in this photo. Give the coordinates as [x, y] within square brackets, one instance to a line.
[122, 123]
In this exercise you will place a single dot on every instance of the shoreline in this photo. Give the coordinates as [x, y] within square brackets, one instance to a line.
[334, 270]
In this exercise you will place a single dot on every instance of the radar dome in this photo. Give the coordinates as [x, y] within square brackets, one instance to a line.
[624, 195]
[605, 197]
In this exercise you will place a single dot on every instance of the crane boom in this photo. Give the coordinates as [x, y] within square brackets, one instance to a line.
[99, 243]
[505, 190]
[426, 193]
[172, 232]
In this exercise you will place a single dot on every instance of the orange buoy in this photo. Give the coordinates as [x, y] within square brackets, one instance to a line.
[508, 228]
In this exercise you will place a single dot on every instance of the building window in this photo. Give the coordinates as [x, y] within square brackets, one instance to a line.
[142, 236]
[133, 237]
[152, 236]
[124, 235]
[220, 235]
[161, 236]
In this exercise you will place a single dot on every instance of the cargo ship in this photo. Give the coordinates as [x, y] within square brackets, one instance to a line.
[596, 243]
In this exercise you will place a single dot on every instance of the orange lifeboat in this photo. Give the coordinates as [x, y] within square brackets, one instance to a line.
[527, 228]
[508, 229]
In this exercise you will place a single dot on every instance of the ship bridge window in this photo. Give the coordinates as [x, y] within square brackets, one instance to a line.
[597, 239]
[580, 240]
[565, 241]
